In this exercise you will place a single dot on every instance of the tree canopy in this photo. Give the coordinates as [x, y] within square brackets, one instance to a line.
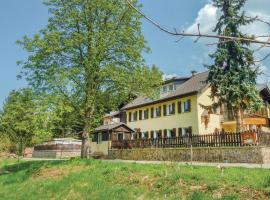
[23, 121]
[90, 52]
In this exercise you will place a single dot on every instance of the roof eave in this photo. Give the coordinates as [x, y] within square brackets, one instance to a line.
[160, 100]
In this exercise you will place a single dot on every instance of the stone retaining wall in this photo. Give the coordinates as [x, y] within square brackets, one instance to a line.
[257, 155]
[56, 154]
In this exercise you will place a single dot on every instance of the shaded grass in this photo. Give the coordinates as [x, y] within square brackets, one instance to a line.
[93, 179]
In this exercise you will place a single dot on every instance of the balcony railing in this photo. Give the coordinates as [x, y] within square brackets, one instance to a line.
[229, 116]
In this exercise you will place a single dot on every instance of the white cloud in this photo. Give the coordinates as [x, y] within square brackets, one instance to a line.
[207, 18]
[208, 15]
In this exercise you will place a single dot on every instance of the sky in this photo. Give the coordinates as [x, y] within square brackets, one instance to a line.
[19, 18]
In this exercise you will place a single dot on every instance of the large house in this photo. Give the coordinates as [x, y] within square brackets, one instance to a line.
[181, 110]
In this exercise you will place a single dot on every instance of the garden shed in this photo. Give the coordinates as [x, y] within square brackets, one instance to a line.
[103, 135]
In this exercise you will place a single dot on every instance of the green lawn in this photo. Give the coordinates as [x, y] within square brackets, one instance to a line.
[91, 179]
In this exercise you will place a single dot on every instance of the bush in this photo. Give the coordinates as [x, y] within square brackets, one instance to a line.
[5, 144]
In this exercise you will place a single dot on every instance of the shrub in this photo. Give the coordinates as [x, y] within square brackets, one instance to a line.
[5, 145]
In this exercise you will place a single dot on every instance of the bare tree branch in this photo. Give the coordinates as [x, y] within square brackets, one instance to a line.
[263, 46]
[183, 34]
[264, 58]
[260, 20]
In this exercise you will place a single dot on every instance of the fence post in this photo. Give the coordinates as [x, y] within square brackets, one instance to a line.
[191, 154]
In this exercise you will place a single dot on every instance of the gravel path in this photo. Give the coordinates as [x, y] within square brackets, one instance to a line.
[245, 165]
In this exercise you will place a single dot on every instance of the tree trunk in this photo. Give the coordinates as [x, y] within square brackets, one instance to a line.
[85, 136]
[238, 120]
[85, 144]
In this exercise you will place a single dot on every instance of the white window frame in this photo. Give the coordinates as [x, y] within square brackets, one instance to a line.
[99, 138]
[169, 133]
[164, 89]
[169, 109]
[184, 131]
[119, 134]
[184, 106]
[144, 135]
[171, 87]
[132, 136]
[143, 114]
[132, 117]
[155, 112]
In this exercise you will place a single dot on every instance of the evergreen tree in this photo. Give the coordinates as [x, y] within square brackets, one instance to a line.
[233, 76]
[90, 50]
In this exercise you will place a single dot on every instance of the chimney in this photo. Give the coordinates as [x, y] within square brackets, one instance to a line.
[193, 72]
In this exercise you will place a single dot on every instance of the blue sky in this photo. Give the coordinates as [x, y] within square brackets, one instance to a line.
[19, 18]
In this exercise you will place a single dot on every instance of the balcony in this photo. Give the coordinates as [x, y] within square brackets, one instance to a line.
[229, 115]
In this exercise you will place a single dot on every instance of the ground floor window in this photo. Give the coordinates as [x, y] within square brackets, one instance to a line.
[99, 138]
[158, 134]
[133, 136]
[120, 136]
[145, 135]
[185, 132]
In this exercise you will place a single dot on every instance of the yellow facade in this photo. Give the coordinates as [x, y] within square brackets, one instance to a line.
[178, 120]
[213, 120]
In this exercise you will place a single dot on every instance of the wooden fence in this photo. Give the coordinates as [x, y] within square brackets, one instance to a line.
[220, 139]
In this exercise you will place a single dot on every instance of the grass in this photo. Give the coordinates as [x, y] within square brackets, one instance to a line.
[93, 179]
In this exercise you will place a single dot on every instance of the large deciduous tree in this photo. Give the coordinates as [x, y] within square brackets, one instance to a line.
[90, 50]
[233, 76]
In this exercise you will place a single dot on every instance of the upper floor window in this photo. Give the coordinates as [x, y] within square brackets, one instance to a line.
[133, 116]
[145, 114]
[157, 112]
[169, 109]
[184, 106]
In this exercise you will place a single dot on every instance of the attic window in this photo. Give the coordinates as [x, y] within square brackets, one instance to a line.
[203, 82]
[164, 89]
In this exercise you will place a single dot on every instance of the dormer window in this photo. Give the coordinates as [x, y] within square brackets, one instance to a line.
[164, 89]
[171, 88]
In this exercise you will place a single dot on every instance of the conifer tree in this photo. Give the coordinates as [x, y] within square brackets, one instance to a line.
[233, 75]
